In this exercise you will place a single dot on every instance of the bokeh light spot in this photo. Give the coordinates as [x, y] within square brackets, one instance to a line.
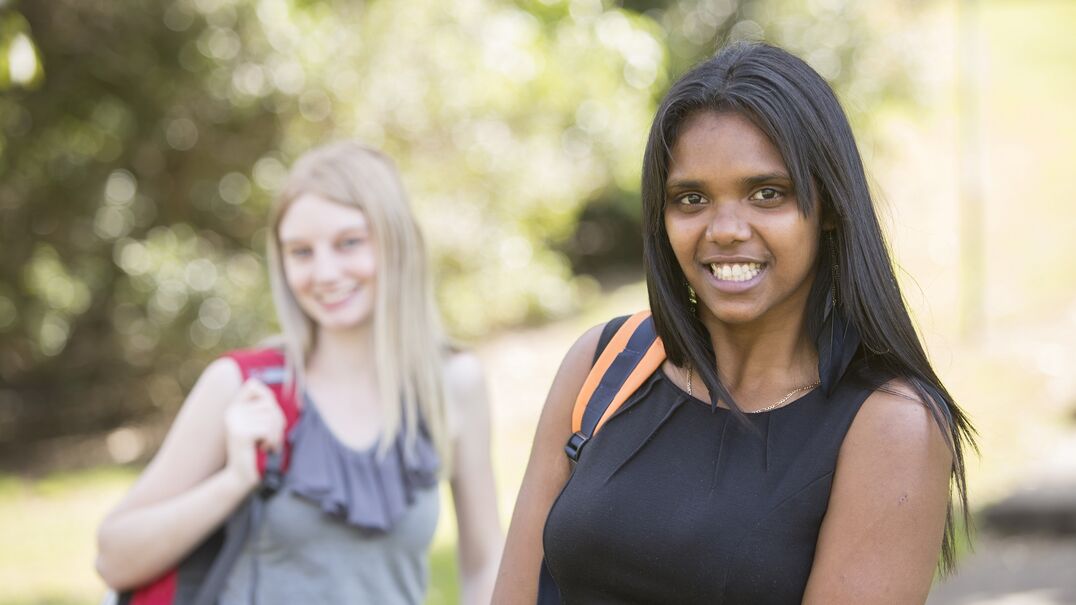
[8, 313]
[201, 274]
[181, 134]
[234, 188]
[120, 187]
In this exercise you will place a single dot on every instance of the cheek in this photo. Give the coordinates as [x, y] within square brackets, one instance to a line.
[296, 276]
[793, 235]
[806, 256]
[681, 240]
[366, 264]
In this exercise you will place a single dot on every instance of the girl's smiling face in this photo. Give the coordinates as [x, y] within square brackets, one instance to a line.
[734, 222]
[330, 261]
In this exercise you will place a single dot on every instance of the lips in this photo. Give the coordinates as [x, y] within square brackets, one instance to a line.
[335, 297]
[736, 272]
[734, 275]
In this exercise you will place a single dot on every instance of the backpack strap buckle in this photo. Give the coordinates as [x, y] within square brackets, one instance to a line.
[575, 445]
[633, 354]
[273, 478]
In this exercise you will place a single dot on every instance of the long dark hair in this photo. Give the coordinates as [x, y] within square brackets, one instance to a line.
[855, 311]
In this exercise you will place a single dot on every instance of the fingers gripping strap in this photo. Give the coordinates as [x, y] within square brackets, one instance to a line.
[269, 366]
[632, 355]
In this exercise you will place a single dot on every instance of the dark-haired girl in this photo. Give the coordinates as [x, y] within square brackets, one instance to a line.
[795, 446]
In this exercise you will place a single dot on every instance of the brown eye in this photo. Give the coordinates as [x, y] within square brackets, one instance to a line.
[691, 199]
[768, 196]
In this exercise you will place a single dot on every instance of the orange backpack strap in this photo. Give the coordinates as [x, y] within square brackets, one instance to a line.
[632, 355]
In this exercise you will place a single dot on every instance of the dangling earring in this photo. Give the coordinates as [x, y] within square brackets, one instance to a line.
[692, 298]
[832, 241]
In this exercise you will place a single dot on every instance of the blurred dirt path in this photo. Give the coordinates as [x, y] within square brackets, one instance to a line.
[1013, 571]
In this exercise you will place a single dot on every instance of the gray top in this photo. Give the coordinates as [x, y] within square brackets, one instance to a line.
[348, 527]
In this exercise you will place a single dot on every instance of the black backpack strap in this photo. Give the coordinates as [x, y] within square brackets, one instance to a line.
[608, 330]
[241, 526]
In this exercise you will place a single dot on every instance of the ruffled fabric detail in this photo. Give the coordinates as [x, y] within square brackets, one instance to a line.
[357, 486]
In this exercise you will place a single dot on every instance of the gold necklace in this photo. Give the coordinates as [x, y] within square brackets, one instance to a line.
[772, 406]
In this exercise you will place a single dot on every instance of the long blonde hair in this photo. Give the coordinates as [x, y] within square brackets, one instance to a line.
[410, 346]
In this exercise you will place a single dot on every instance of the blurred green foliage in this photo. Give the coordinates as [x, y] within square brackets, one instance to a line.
[140, 143]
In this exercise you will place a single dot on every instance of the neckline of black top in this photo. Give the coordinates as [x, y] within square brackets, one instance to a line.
[672, 384]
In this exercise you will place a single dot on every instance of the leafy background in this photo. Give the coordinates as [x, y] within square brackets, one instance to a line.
[141, 142]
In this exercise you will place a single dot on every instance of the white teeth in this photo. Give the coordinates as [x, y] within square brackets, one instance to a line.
[735, 271]
[335, 297]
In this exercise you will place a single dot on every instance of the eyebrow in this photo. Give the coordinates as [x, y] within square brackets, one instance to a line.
[294, 241]
[748, 181]
[768, 177]
[683, 184]
[362, 230]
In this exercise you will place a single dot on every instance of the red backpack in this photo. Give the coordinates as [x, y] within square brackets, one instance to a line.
[199, 578]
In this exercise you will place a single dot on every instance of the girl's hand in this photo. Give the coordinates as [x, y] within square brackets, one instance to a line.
[252, 421]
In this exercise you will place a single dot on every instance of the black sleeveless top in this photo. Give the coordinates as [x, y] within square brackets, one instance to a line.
[672, 502]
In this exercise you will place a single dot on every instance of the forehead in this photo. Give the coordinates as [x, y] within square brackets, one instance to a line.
[712, 143]
[313, 215]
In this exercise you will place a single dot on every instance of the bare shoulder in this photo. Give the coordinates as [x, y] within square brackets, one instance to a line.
[465, 383]
[894, 450]
[574, 369]
[195, 444]
[222, 373]
[882, 533]
[206, 402]
[895, 419]
[463, 368]
[586, 345]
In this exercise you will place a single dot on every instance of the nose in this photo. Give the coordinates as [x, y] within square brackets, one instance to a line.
[727, 225]
[326, 266]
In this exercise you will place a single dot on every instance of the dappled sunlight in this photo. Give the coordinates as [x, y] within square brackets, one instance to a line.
[140, 149]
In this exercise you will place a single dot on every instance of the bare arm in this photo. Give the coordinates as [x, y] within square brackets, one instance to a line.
[473, 491]
[188, 490]
[882, 534]
[547, 472]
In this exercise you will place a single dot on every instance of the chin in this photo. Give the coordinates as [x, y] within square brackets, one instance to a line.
[342, 325]
[733, 315]
[344, 320]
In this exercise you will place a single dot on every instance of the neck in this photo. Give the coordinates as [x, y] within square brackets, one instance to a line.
[343, 353]
[764, 355]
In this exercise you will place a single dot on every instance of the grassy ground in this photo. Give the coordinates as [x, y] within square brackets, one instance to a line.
[47, 527]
